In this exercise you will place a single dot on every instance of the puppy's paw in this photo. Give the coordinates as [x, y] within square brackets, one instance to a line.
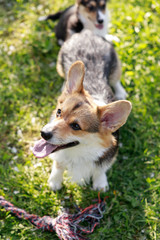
[111, 38]
[120, 92]
[100, 186]
[54, 184]
[121, 95]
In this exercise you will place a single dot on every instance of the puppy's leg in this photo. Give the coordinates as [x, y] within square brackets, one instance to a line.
[59, 66]
[114, 81]
[56, 177]
[119, 90]
[100, 180]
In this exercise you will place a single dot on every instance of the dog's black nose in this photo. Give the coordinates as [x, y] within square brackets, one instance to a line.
[46, 135]
[100, 21]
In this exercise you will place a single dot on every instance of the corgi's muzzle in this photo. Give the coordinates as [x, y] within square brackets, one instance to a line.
[42, 148]
[100, 20]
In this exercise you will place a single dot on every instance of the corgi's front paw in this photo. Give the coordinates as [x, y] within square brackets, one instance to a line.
[54, 184]
[102, 188]
[100, 184]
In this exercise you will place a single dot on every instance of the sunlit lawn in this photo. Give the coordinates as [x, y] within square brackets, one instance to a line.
[29, 86]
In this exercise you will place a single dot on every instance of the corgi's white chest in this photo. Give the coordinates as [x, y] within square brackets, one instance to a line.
[80, 171]
[80, 160]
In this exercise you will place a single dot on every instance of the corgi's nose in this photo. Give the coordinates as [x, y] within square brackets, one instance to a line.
[100, 21]
[46, 135]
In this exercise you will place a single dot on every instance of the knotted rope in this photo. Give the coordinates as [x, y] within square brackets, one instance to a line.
[67, 226]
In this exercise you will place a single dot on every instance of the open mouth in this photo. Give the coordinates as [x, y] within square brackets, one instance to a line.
[99, 26]
[42, 148]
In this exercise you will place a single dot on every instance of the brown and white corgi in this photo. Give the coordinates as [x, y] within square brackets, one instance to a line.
[85, 14]
[82, 135]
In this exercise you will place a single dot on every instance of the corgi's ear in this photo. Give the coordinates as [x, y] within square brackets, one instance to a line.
[78, 1]
[114, 115]
[75, 78]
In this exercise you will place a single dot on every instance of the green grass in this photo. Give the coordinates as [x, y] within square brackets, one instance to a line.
[29, 86]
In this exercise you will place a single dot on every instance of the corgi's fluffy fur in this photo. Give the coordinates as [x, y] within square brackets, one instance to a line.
[85, 14]
[82, 135]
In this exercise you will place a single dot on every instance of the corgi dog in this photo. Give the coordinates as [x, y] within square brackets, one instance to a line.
[82, 135]
[85, 14]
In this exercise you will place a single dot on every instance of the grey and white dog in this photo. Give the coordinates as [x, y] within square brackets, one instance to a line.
[101, 62]
[82, 136]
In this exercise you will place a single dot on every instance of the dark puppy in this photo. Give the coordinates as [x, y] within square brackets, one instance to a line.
[85, 14]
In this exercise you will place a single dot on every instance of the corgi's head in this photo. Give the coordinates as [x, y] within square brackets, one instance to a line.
[78, 121]
[92, 13]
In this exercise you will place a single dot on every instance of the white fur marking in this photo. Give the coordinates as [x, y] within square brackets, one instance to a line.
[101, 15]
[42, 18]
[60, 42]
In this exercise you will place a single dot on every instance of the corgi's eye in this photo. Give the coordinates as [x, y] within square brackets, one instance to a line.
[75, 126]
[103, 6]
[92, 8]
[58, 114]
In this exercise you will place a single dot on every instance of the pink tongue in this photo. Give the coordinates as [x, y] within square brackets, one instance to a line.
[99, 26]
[42, 148]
